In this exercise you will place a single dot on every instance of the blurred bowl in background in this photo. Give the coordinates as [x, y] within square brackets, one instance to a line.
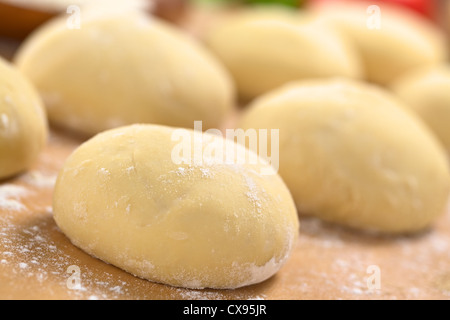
[18, 18]
[17, 22]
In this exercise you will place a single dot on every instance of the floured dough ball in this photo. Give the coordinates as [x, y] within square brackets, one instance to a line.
[123, 198]
[427, 92]
[390, 40]
[23, 124]
[124, 68]
[351, 154]
[264, 49]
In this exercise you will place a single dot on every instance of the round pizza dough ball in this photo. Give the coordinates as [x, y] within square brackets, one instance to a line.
[124, 68]
[427, 92]
[125, 198]
[351, 154]
[264, 49]
[23, 124]
[390, 40]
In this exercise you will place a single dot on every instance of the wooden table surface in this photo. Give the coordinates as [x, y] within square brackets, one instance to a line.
[329, 262]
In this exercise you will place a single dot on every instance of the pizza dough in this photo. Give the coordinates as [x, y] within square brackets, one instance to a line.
[404, 40]
[264, 49]
[23, 124]
[351, 154]
[124, 68]
[427, 92]
[121, 198]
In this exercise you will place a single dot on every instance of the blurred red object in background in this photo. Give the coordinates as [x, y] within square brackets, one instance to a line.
[427, 8]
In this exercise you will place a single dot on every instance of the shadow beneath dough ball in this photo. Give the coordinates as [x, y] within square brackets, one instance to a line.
[316, 228]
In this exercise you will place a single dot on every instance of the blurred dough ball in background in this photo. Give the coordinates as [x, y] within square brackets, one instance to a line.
[427, 92]
[266, 48]
[350, 153]
[404, 40]
[124, 68]
[23, 124]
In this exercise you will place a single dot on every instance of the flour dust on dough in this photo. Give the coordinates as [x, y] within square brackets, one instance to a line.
[121, 198]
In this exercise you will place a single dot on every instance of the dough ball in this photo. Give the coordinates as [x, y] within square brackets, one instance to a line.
[427, 92]
[23, 124]
[124, 68]
[351, 154]
[121, 198]
[404, 40]
[264, 49]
